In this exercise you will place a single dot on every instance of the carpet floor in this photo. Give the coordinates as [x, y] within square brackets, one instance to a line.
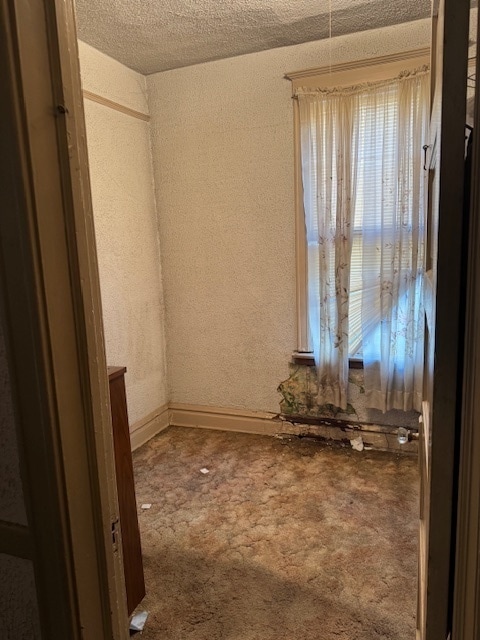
[280, 540]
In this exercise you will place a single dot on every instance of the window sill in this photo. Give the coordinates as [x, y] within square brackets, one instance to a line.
[302, 357]
[306, 358]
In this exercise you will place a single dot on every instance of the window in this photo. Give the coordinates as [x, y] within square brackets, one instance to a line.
[378, 138]
[338, 75]
[360, 227]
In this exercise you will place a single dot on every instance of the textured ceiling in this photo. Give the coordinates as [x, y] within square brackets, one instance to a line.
[156, 35]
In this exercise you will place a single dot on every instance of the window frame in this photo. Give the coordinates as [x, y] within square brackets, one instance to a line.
[344, 74]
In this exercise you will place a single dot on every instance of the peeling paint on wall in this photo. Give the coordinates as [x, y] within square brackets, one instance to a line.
[300, 399]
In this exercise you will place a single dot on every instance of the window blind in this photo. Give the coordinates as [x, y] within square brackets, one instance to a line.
[377, 183]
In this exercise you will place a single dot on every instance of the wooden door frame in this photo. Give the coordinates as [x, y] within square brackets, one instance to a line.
[51, 307]
[50, 301]
[444, 360]
[466, 604]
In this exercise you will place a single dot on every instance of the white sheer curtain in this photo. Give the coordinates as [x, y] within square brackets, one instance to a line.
[361, 151]
[329, 147]
[393, 124]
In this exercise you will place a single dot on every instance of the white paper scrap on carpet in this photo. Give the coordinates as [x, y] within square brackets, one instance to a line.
[357, 443]
[137, 622]
[204, 470]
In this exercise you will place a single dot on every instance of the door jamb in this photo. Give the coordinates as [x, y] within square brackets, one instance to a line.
[51, 306]
[56, 415]
[466, 598]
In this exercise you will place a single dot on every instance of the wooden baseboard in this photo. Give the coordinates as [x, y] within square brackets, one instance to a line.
[262, 423]
[225, 419]
[149, 426]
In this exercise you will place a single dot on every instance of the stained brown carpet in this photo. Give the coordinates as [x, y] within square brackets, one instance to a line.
[279, 541]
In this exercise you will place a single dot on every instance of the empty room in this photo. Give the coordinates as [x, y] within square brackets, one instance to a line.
[258, 186]
[282, 308]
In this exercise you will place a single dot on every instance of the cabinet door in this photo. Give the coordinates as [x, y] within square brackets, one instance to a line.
[127, 503]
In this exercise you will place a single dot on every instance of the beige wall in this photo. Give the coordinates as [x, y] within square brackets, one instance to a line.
[223, 160]
[126, 230]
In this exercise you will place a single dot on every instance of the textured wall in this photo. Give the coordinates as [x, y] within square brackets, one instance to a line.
[18, 601]
[111, 79]
[223, 158]
[126, 230]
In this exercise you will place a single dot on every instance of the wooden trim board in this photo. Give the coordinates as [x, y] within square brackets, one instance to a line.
[50, 302]
[16, 540]
[148, 427]
[466, 611]
[358, 64]
[223, 419]
[116, 106]
[270, 424]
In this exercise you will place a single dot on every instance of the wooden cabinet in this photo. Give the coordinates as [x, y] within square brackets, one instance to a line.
[132, 551]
